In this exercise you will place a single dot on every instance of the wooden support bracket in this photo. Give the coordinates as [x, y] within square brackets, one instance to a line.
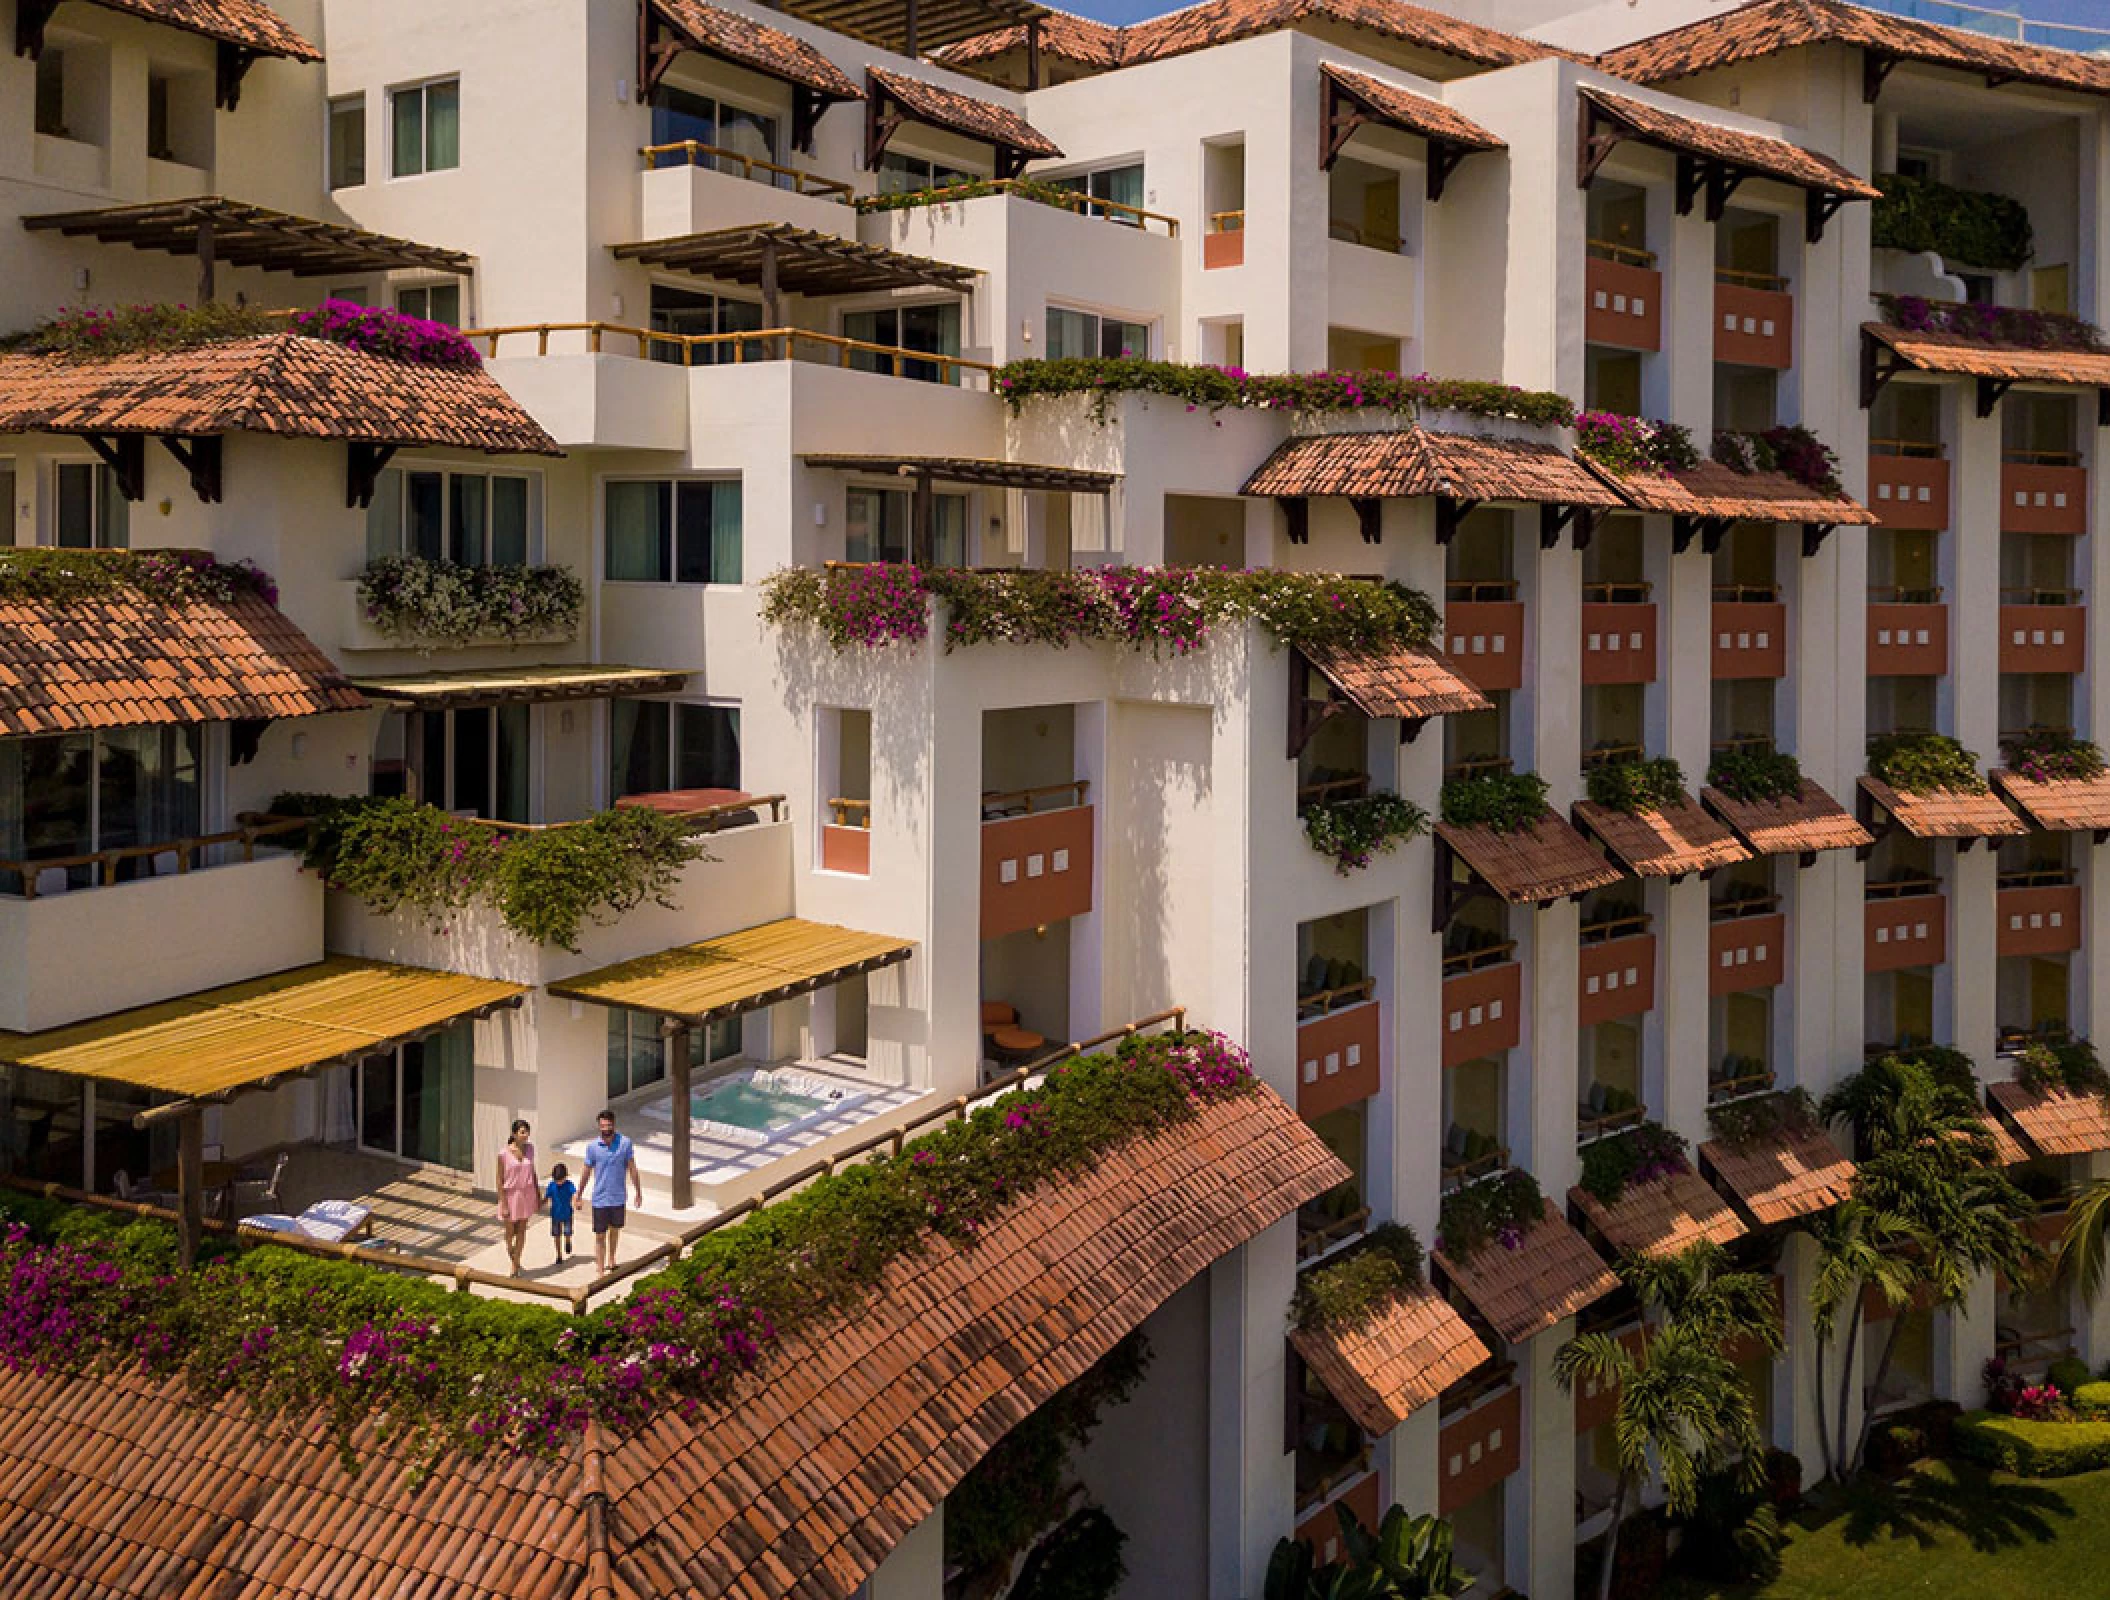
[1296, 512]
[1990, 393]
[1879, 364]
[362, 471]
[125, 454]
[1451, 893]
[1369, 518]
[1308, 712]
[230, 67]
[201, 458]
[1449, 513]
[1443, 161]
[1813, 536]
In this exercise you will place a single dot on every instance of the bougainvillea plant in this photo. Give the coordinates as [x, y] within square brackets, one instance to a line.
[1627, 445]
[1924, 763]
[2050, 755]
[444, 602]
[1791, 450]
[378, 331]
[1359, 828]
[1500, 1209]
[170, 577]
[1989, 324]
[1640, 1154]
[103, 331]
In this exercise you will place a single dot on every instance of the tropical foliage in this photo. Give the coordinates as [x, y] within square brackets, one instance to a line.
[1966, 227]
[1216, 388]
[1507, 802]
[1754, 776]
[1500, 1209]
[1742, 1124]
[1639, 786]
[1403, 1558]
[1924, 763]
[1356, 829]
[1352, 1287]
[1626, 445]
[1640, 1154]
[2047, 755]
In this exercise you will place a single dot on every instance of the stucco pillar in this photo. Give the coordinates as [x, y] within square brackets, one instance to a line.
[1796, 1394]
[1539, 1509]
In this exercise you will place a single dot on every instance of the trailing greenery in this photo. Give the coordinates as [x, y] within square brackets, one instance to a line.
[1626, 445]
[1153, 608]
[1988, 324]
[443, 602]
[1640, 1154]
[167, 577]
[1637, 787]
[1403, 1558]
[1967, 227]
[1501, 1208]
[1762, 1118]
[1924, 763]
[1507, 802]
[1755, 776]
[2045, 1066]
[99, 332]
[1215, 388]
[2049, 755]
[545, 885]
[2032, 1449]
[1354, 1286]
[1790, 449]
[1081, 1560]
[1047, 194]
[1355, 829]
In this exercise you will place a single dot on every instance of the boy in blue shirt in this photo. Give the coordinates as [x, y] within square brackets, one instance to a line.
[559, 1193]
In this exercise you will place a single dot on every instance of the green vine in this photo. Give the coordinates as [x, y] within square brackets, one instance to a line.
[1755, 776]
[2046, 755]
[1353, 1287]
[1636, 787]
[167, 577]
[1356, 829]
[1924, 763]
[1047, 194]
[1501, 1209]
[1507, 802]
[1965, 227]
[1640, 1154]
[2045, 1066]
[1760, 1119]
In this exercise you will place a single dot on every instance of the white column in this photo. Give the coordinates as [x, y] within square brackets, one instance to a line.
[1539, 1511]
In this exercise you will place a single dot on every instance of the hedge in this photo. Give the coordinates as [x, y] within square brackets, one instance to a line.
[2033, 1449]
[2092, 1399]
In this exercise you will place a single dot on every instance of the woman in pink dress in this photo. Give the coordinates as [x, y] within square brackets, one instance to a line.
[519, 1194]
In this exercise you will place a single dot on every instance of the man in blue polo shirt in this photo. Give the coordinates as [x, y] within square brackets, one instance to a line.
[608, 1158]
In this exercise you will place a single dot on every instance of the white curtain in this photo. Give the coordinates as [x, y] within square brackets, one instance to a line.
[1088, 522]
[1015, 504]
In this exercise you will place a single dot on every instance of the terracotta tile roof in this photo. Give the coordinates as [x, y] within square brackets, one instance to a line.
[1413, 113]
[248, 23]
[963, 114]
[2007, 1149]
[1084, 40]
[1399, 682]
[2064, 805]
[279, 383]
[1768, 27]
[1790, 1174]
[1551, 1274]
[1757, 153]
[1386, 1368]
[1812, 820]
[1660, 1217]
[124, 660]
[1546, 861]
[1420, 461]
[1661, 844]
[755, 45]
[1946, 814]
[1955, 354]
[1713, 490]
[2057, 1122]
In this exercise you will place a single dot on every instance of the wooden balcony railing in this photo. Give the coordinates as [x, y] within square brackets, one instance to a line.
[1317, 1241]
[1899, 888]
[1757, 905]
[999, 804]
[1593, 1125]
[1492, 955]
[731, 349]
[695, 153]
[1477, 767]
[1614, 591]
[1625, 254]
[1476, 590]
[1772, 282]
[1321, 1001]
[1742, 1086]
[1616, 928]
[1924, 449]
[851, 813]
[1480, 1166]
[1369, 238]
[1223, 245]
[185, 853]
[1747, 593]
[1348, 788]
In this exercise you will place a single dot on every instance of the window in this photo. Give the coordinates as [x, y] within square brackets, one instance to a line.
[347, 136]
[352, 294]
[1122, 185]
[637, 1050]
[74, 793]
[934, 327]
[688, 311]
[426, 123]
[879, 526]
[435, 302]
[474, 760]
[479, 519]
[51, 93]
[900, 174]
[1086, 333]
[158, 146]
[7, 503]
[418, 1102]
[91, 514]
[685, 531]
[657, 745]
[680, 116]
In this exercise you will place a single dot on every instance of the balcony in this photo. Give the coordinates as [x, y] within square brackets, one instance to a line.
[1754, 319]
[1623, 297]
[2043, 491]
[2046, 632]
[1036, 863]
[1746, 945]
[846, 838]
[1616, 974]
[1338, 1033]
[1619, 634]
[2039, 913]
[1908, 485]
[1483, 626]
[1224, 244]
[1750, 632]
[1483, 993]
[690, 187]
[1480, 1445]
[1320, 1522]
[1907, 638]
[1906, 924]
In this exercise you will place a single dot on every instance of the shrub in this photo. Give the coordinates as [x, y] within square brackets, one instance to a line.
[1081, 1560]
[1637, 787]
[1783, 1478]
[1734, 1533]
[2092, 1399]
[2043, 1066]
[95, 331]
[1501, 1208]
[1965, 226]
[1626, 445]
[1743, 1123]
[378, 331]
[167, 577]
[2044, 755]
[1638, 1569]
[1355, 829]
[442, 602]
[1352, 1287]
[1755, 776]
[1639, 1154]
[1922, 1433]
[1924, 763]
[1507, 802]
[1988, 324]
[2032, 1449]
[2067, 1374]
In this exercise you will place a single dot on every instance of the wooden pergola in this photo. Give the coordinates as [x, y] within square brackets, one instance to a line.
[925, 471]
[778, 258]
[490, 686]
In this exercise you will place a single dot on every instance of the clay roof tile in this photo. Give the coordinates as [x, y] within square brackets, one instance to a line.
[1548, 860]
[1809, 820]
[1946, 813]
[1660, 1217]
[1387, 1366]
[1790, 1173]
[964, 114]
[2056, 1122]
[2060, 805]
[1552, 1273]
[1665, 843]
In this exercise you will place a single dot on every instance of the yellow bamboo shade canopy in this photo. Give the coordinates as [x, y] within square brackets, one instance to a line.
[737, 972]
[243, 1035]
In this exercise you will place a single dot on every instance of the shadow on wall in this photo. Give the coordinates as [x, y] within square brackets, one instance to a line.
[1158, 847]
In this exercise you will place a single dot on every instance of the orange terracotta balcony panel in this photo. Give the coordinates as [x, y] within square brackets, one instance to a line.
[1909, 492]
[2043, 638]
[2040, 920]
[1910, 931]
[1596, 1402]
[1907, 641]
[1036, 869]
[1478, 1450]
[1323, 1527]
[1617, 978]
[2035, 498]
[1337, 1056]
[846, 850]
[1619, 642]
[1746, 953]
[1485, 641]
[1624, 305]
[1226, 249]
[1754, 327]
[1750, 639]
[1482, 1012]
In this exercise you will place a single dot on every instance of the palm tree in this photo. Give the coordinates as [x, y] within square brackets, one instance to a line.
[1857, 1248]
[1683, 1406]
[1404, 1558]
[2086, 1242]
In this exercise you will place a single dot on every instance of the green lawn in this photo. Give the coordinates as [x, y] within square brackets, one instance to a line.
[1947, 1529]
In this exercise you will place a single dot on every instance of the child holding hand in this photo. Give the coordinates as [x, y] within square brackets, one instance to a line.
[559, 1194]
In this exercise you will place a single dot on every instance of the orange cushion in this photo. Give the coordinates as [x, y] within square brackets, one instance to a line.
[995, 1013]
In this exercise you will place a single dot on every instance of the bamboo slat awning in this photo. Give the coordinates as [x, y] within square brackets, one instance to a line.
[241, 235]
[973, 472]
[1954, 355]
[776, 256]
[433, 691]
[738, 972]
[217, 1042]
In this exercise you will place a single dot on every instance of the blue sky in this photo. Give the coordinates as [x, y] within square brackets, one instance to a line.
[2094, 13]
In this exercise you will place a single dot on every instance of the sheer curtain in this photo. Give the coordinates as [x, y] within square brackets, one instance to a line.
[637, 514]
[725, 532]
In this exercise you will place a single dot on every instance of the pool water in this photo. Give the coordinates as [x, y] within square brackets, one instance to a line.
[744, 1103]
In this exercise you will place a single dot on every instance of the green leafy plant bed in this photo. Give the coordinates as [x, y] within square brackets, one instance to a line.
[1988, 324]
[1355, 830]
[1641, 1154]
[1968, 227]
[168, 577]
[1047, 194]
[1637, 787]
[1147, 608]
[1353, 1287]
[1504, 801]
[2044, 1066]
[545, 885]
[1627, 445]
[442, 602]
[1212, 388]
[1763, 1118]
[338, 1340]
[1791, 450]
[96, 332]
[2047, 756]
[1924, 763]
[1499, 1209]
[1755, 776]
[2032, 1449]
